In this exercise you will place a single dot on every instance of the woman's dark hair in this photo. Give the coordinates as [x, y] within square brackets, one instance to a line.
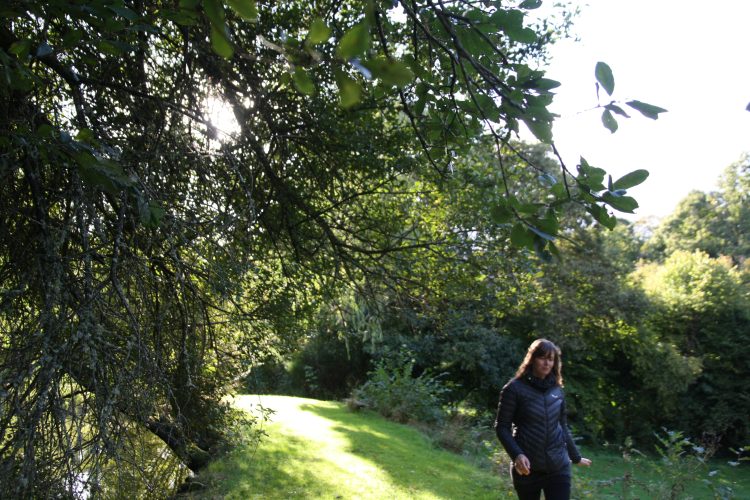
[541, 348]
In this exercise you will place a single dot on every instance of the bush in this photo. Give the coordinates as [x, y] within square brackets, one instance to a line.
[330, 366]
[395, 393]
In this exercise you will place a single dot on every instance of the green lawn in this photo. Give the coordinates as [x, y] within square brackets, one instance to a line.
[319, 449]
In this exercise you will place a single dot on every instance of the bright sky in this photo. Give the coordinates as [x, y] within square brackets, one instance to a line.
[690, 57]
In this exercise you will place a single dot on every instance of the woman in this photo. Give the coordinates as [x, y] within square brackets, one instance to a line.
[541, 446]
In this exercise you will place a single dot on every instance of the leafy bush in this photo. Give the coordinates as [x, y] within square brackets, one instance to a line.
[394, 392]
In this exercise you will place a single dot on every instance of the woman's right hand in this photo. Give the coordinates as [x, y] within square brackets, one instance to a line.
[522, 465]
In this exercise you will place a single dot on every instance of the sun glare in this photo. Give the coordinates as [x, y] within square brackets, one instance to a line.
[221, 116]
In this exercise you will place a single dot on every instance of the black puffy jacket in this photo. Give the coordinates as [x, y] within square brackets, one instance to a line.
[536, 408]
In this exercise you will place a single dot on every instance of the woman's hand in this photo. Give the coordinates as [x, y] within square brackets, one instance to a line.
[522, 465]
[584, 462]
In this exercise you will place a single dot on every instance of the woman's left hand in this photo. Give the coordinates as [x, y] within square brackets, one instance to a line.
[584, 462]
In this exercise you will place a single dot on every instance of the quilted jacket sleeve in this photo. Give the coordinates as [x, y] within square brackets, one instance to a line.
[573, 453]
[506, 411]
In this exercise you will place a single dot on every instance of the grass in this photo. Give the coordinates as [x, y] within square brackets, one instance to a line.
[649, 477]
[319, 449]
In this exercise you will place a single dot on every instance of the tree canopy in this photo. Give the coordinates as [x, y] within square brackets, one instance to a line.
[147, 256]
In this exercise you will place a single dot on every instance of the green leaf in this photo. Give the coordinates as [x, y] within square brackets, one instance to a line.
[604, 76]
[634, 178]
[247, 9]
[102, 173]
[45, 130]
[109, 47]
[350, 92]
[647, 110]
[617, 109]
[488, 106]
[524, 35]
[87, 136]
[543, 84]
[521, 237]
[319, 32]
[609, 121]
[214, 10]
[302, 81]
[501, 214]
[151, 213]
[183, 17]
[71, 38]
[542, 130]
[123, 12]
[21, 48]
[549, 224]
[531, 4]
[511, 22]
[625, 204]
[356, 41]
[220, 42]
[391, 71]
[602, 216]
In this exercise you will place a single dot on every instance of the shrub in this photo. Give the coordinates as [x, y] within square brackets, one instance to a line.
[394, 392]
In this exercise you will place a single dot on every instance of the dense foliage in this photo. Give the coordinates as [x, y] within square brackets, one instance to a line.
[148, 257]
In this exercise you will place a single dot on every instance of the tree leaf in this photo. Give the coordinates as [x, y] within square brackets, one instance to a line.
[521, 237]
[20, 48]
[214, 10]
[627, 181]
[319, 32]
[302, 81]
[501, 214]
[531, 4]
[602, 216]
[542, 130]
[625, 204]
[647, 110]
[543, 84]
[391, 71]
[609, 121]
[220, 42]
[350, 92]
[616, 109]
[247, 9]
[605, 77]
[487, 106]
[123, 12]
[511, 22]
[356, 41]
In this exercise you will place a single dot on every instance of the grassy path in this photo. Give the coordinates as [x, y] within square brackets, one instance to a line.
[318, 449]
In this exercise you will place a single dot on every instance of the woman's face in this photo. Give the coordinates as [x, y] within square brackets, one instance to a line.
[542, 366]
